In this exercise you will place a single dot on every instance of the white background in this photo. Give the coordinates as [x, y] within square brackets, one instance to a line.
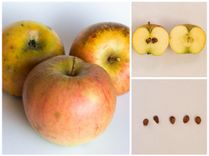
[169, 15]
[67, 19]
[165, 98]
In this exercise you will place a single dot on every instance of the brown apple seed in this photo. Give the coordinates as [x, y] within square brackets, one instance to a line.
[186, 119]
[198, 120]
[172, 119]
[148, 40]
[156, 119]
[145, 122]
[154, 40]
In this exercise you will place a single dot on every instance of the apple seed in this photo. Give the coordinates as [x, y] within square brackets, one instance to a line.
[154, 40]
[172, 119]
[145, 122]
[156, 119]
[198, 120]
[148, 40]
[186, 119]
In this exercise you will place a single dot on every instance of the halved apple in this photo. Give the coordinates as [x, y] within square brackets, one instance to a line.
[187, 38]
[150, 39]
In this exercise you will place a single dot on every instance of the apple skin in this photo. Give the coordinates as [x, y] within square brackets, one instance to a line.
[69, 101]
[106, 44]
[25, 44]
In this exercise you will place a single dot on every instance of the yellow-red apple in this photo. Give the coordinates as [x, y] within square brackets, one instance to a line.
[106, 44]
[69, 101]
[25, 44]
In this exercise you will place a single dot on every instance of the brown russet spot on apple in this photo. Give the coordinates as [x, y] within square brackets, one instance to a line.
[11, 47]
[94, 35]
[97, 128]
[57, 115]
[22, 25]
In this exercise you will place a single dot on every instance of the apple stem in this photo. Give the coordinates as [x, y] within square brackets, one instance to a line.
[72, 72]
[149, 27]
[32, 43]
[112, 59]
[118, 59]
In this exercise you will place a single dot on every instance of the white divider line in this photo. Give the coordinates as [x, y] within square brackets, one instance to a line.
[169, 78]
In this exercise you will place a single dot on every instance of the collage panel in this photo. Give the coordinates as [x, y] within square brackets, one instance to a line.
[169, 39]
[74, 103]
[169, 116]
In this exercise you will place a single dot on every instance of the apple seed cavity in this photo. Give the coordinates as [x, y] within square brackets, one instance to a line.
[151, 40]
[189, 39]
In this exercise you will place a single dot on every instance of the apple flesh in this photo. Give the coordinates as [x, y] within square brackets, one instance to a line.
[150, 39]
[68, 101]
[106, 44]
[25, 44]
[187, 38]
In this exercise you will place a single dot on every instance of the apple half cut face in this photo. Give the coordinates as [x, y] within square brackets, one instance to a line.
[187, 39]
[150, 39]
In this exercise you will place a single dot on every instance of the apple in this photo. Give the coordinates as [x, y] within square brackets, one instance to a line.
[106, 44]
[187, 38]
[69, 101]
[150, 39]
[25, 44]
